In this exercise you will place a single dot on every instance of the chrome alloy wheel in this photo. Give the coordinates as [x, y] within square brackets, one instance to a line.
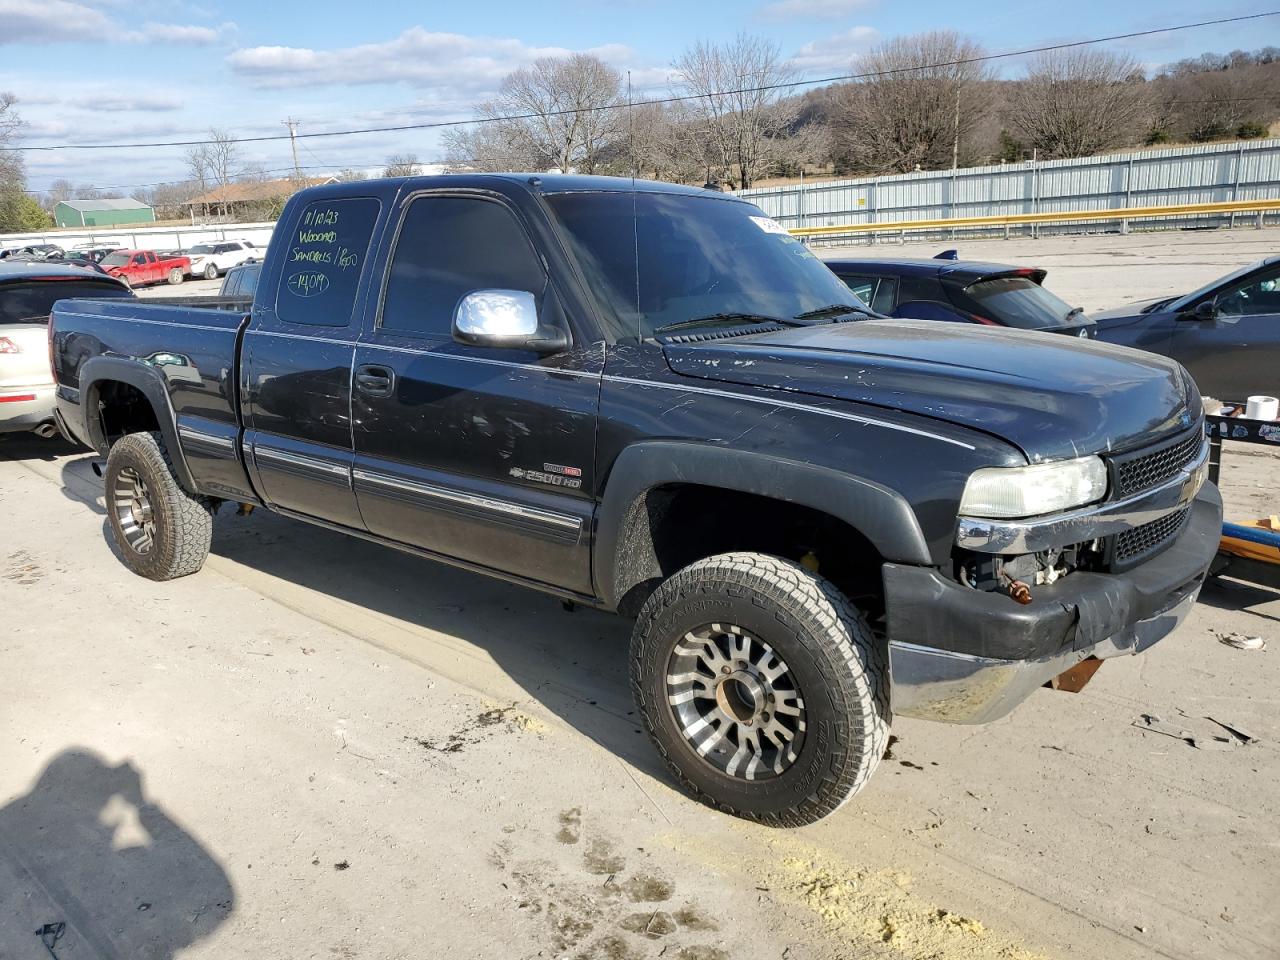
[132, 501]
[735, 701]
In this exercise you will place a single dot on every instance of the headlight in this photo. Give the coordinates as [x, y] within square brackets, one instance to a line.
[1034, 490]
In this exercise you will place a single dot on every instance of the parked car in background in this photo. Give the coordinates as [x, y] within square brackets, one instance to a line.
[960, 291]
[94, 252]
[241, 281]
[27, 294]
[209, 260]
[33, 251]
[1227, 333]
[138, 268]
[79, 258]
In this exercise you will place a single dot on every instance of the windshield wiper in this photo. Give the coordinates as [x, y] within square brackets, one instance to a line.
[721, 318]
[835, 310]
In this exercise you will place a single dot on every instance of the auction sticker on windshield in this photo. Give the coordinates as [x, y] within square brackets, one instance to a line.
[769, 225]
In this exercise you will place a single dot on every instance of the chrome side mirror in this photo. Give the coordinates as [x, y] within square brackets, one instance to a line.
[504, 318]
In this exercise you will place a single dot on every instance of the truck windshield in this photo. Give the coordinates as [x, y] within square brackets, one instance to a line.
[32, 302]
[688, 256]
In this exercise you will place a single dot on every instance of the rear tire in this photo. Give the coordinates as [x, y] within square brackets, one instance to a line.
[762, 687]
[210, 272]
[175, 276]
[162, 531]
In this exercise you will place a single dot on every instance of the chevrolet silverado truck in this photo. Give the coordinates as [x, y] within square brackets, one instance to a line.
[654, 400]
[137, 268]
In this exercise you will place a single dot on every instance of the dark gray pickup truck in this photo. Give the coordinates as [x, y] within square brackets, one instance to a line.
[653, 400]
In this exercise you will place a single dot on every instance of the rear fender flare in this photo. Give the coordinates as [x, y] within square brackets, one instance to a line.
[151, 383]
[878, 513]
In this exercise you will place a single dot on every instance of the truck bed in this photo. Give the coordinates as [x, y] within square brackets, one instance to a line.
[190, 351]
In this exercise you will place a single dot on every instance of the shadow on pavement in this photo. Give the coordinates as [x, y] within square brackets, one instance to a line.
[575, 664]
[27, 446]
[92, 868]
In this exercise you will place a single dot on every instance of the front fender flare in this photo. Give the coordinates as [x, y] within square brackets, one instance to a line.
[878, 513]
[151, 382]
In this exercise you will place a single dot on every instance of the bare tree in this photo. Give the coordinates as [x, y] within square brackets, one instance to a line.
[1081, 101]
[918, 108]
[561, 113]
[58, 191]
[223, 156]
[736, 104]
[349, 175]
[663, 141]
[402, 165]
[12, 169]
[197, 161]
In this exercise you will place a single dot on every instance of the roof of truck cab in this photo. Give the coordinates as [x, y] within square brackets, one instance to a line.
[557, 183]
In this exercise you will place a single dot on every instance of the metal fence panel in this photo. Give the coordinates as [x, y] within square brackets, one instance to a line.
[1209, 173]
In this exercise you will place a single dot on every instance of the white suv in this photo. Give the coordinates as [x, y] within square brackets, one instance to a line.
[210, 260]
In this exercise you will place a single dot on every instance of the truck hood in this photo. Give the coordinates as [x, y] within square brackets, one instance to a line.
[1051, 396]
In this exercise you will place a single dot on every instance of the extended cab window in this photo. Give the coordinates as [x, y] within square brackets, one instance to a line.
[323, 260]
[448, 247]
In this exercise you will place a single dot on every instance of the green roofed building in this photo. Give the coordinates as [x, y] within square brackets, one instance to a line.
[102, 213]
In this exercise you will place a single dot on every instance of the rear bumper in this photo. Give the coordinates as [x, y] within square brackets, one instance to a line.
[962, 656]
[17, 415]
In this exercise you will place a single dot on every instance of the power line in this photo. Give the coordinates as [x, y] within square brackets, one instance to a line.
[787, 85]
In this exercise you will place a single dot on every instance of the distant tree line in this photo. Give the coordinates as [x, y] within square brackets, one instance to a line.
[926, 101]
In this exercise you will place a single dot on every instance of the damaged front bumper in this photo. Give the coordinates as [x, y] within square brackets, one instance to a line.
[965, 656]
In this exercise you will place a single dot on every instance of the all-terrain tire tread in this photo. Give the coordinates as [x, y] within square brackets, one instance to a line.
[185, 534]
[856, 663]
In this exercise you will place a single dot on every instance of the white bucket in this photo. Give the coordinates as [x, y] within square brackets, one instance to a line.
[1262, 408]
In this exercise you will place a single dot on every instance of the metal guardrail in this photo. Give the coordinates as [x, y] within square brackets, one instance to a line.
[1056, 216]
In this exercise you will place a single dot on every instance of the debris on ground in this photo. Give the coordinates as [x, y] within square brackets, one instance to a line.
[1233, 728]
[1240, 641]
[1149, 721]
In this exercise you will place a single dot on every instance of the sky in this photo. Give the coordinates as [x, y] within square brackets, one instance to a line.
[116, 71]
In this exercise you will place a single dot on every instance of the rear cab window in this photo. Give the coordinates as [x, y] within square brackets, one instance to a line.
[324, 260]
[32, 302]
[1015, 302]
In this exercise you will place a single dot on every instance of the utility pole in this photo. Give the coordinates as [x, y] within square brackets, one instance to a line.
[292, 124]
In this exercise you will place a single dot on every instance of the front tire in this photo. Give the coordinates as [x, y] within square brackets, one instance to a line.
[162, 531]
[762, 687]
[210, 272]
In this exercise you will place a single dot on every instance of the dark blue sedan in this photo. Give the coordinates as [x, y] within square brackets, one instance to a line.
[961, 291]
[1227, 333]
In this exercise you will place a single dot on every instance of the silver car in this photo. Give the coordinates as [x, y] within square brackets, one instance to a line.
[27, 294]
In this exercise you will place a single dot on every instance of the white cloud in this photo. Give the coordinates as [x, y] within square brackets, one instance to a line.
[450, 62]
[67, 21]
[834, 54]
[52, 21]
[145, 103]
[179, 33]
[811, 9]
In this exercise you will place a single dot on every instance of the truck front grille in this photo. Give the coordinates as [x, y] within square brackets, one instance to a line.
[1134, 472]
[1134, 546]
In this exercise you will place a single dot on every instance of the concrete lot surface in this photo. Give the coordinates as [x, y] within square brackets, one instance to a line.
[318, 747]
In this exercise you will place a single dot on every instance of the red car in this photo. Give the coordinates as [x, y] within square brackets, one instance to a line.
[137, 268]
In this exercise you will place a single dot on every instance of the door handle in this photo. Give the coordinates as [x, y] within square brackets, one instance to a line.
[375, 381]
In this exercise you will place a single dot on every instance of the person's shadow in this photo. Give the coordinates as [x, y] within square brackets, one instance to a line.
[89, 867]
